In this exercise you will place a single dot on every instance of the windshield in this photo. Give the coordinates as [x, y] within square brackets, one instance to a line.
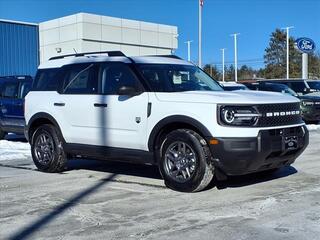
[314, 85]
[177, 78]
[283, 89]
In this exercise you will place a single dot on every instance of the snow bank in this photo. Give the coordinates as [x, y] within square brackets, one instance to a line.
[313, 127]
[10, 150]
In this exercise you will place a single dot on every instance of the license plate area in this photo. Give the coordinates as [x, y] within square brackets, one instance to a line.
[290, 142]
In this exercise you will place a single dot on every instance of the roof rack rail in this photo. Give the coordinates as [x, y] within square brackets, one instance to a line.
[168, 56]
[110, 54]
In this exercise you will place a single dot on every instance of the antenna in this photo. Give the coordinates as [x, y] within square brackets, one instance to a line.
[75, 51]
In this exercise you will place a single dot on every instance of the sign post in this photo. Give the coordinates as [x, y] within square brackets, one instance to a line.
[305, 46]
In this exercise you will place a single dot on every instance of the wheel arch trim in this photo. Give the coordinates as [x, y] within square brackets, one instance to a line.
[175, 119]
[46, 116]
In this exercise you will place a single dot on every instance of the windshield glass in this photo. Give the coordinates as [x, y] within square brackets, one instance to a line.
[283, 89]
[177, 78]
[314, 85]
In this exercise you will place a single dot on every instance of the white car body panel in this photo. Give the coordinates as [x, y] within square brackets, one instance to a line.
[124, 122]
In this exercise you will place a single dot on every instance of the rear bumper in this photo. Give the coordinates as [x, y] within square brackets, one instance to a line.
[239, 156]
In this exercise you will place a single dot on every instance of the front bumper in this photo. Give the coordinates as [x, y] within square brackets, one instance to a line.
[239, 156]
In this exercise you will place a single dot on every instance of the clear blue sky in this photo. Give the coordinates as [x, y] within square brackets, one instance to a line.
[253, 19]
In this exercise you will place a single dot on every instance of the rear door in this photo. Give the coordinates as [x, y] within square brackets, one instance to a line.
[75, 104]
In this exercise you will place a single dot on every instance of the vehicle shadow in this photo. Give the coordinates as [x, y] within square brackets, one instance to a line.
[148, 171]
[119, 168]
[254, 178]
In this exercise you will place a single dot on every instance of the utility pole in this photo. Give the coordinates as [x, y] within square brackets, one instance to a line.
[223, 49]
[288, 37]
[200, 33]
[189, 49]
[235, 57]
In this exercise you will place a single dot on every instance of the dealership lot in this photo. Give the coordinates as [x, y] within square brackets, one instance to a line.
[101, 200]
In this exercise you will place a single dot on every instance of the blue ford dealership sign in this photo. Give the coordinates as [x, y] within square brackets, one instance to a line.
[305, 45]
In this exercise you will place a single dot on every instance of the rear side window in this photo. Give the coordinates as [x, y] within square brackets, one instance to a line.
[80, 79]
[46, 80]
[10, 90]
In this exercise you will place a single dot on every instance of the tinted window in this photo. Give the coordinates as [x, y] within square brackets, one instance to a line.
[80, 79]
[10, 90]
[298, 86]
[46, 80]
[177, 78]
[116, 75]
[314, 85]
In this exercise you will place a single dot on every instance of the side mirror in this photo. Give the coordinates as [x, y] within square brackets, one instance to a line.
[127, 91]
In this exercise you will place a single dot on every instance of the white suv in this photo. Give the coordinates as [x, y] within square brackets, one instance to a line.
[157, 110]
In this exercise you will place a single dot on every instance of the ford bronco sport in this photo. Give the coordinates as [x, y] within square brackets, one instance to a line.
[157, 110]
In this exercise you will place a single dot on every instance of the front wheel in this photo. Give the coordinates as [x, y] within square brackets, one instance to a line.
[185, 161]
[47, 149]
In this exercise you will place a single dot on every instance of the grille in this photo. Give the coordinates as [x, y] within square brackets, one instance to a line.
[265, 121]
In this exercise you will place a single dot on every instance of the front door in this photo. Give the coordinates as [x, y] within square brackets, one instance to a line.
[18, 104]
[123, 118]
[9, 95]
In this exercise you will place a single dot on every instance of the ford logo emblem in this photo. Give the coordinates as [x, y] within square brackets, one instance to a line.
[305, 45]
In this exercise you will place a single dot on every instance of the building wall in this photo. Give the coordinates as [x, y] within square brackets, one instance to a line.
[88, 32]
[19, 48]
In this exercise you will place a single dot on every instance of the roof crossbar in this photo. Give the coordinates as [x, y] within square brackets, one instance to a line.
[110, 54]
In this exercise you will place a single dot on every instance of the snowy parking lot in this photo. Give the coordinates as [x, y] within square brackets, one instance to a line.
[104, 200]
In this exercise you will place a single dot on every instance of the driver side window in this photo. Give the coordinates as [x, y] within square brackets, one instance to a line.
[116, 75]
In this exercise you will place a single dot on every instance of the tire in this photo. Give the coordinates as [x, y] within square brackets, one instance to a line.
[47, 150]
[2, 134]
[182, 149]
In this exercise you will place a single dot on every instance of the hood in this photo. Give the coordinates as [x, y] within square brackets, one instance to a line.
[225, 97]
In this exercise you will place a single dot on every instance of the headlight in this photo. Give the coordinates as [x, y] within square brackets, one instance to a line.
[307, 103]
[238, 115]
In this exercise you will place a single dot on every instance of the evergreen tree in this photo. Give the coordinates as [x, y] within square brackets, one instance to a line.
[275, 57]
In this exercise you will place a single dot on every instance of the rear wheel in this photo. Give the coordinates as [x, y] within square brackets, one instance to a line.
[185, 161]
[2, 134]
[47, 149]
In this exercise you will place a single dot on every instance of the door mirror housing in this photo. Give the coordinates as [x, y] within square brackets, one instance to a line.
[127, 91]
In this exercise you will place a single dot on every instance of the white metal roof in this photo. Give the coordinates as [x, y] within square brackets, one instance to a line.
[56, 63]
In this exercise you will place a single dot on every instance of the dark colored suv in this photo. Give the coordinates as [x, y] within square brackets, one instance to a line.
[314, 85]
[13, 89]
[310, 104]
[300, 86]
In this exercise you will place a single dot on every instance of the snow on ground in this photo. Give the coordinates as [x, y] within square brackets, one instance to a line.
[10, 150]
[314, 127]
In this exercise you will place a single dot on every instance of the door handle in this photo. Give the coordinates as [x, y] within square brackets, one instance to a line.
[101, 105]
[59, 104]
